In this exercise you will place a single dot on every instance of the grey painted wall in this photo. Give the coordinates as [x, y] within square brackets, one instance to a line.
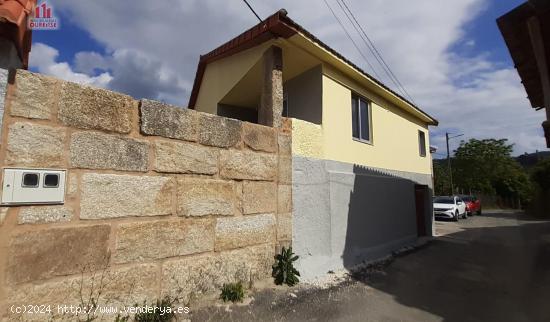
[304, 98]
[305, 94]
[345, 214]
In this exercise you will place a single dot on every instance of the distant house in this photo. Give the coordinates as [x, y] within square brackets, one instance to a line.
[362, 173]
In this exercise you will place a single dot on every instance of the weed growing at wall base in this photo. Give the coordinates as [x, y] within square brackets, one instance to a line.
[233, 292]
[283, 269]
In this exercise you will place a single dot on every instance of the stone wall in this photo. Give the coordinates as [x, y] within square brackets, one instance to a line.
[159, 201]
[3, 86]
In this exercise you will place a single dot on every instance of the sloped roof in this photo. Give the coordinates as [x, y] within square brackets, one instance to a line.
[13, 25]
[278, 25]
[515, 31]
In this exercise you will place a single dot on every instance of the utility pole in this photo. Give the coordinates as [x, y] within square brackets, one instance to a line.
[449, 160]
[449, 163]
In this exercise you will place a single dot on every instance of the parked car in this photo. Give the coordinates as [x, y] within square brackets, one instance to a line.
[473, 205]
[449, 207]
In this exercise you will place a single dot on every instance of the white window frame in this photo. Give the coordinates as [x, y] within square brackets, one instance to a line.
[420, 146]
[359, 98]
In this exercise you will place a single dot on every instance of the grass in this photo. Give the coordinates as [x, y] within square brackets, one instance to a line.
[233, 292]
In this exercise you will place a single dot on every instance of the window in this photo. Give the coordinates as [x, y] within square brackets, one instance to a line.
[445, 200]
[422, 143]
[360, 119]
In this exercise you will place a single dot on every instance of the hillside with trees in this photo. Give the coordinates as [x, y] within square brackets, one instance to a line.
[485, 167]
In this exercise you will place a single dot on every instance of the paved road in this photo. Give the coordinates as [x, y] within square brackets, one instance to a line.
[490, 268]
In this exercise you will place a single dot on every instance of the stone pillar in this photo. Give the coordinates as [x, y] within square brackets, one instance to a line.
[271, 100]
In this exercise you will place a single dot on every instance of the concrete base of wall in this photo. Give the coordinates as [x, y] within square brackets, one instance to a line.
[345, 214]
[315, 266]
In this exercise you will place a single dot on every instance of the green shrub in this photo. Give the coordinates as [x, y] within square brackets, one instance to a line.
[165, 315]
[233, 292]
[120, 318]
[283, 269]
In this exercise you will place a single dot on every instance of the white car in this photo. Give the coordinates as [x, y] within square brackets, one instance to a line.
[449, 207]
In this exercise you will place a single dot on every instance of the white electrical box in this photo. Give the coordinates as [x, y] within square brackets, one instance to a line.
[33, 186]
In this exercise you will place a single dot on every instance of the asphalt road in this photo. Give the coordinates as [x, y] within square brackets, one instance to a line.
[490, 268]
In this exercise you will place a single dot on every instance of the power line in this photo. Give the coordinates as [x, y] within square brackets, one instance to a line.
[366, 43]
[376, 53]
[381, 61]
[370, 45]
[350, 38]
[251, 9]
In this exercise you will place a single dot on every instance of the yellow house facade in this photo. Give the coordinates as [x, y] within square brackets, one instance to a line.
[394, 135]
[361, 180]
[318, 89]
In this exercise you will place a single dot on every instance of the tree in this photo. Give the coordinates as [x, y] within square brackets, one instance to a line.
[442, 181]
[541, 175]
[487, 166]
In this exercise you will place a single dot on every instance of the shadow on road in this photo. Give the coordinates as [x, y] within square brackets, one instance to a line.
[505, 215]
[478, 274]
[508, 215]
[496, 268]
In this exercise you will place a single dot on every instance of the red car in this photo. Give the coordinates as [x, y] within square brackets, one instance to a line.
[473, 205]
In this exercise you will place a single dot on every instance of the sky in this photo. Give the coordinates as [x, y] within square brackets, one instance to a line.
[449, 55]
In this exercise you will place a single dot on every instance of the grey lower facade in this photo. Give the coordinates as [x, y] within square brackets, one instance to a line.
[345, 214]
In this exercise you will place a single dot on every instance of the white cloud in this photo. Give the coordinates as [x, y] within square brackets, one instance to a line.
[153, 47]
[141, 75]
[128, 71]
[44, 59]
[88, 62]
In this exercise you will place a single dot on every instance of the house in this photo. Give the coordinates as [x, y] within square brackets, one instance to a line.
[526, 30]
[167, 201]
[361, 163]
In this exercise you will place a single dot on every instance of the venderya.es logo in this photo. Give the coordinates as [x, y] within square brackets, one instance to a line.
[43, 18]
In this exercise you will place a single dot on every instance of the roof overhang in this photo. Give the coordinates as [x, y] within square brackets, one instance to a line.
[525, 29]
[270, 28]
[13, 25]
[279, 25]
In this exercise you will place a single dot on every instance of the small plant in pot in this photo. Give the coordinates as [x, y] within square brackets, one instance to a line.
[283, 269]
